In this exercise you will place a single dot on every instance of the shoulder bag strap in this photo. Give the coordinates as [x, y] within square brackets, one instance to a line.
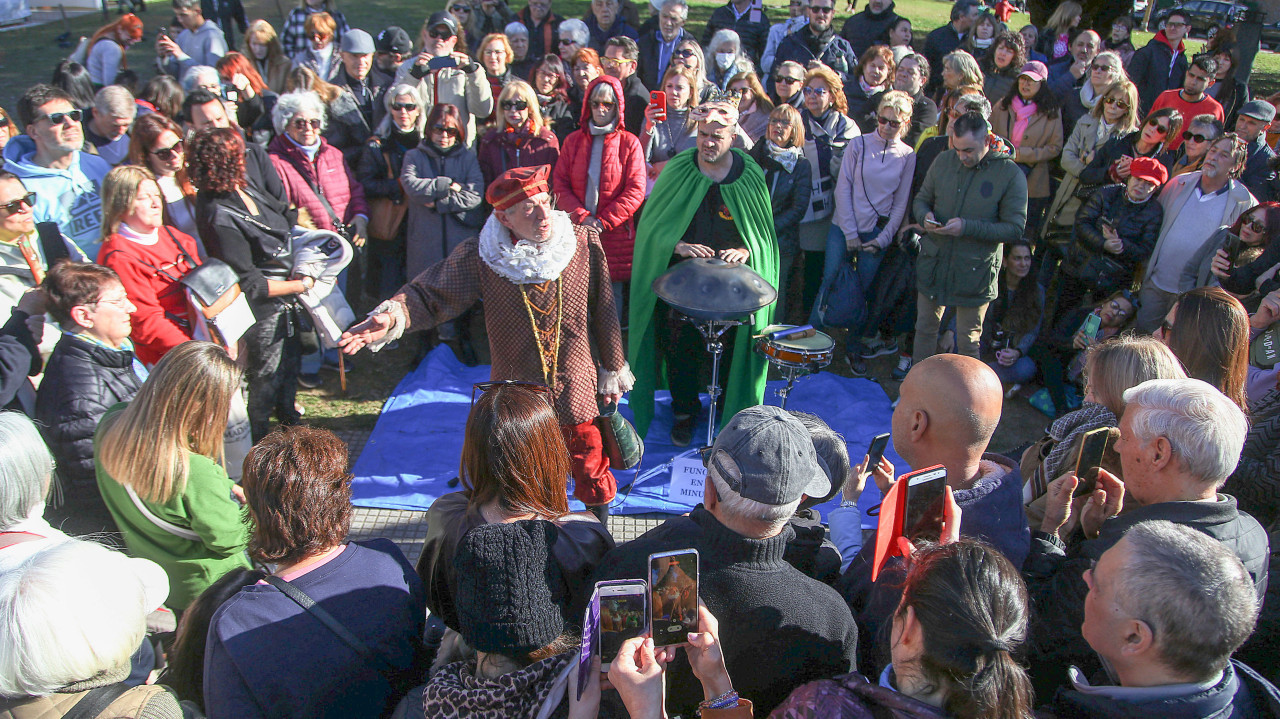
[191, 263]
[330, 622]
[96, 701]
[315, 187]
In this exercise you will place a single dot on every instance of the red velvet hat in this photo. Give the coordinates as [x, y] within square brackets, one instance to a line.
[1149, 170]
[517, 185]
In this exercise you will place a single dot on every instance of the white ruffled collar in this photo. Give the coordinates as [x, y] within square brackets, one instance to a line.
[526, 262]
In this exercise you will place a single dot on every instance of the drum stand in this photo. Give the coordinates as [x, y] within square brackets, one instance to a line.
[711, 331]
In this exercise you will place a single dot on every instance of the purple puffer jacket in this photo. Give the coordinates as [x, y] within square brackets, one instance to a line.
[329, 172]
[851, 696]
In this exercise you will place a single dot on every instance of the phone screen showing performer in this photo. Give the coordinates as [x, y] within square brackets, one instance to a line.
[926, 497]
[673, 599]
[624, 614]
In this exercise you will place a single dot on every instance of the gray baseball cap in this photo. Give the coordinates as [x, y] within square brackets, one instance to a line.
[1259, 110]
[774, 454]
[358, 42]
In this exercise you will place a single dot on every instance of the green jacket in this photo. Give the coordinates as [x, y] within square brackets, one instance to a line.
[991, 198]
[667, 213]
[205, 506]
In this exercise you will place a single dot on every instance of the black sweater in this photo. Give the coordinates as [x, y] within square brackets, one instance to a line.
[778, 628]
[19, 359]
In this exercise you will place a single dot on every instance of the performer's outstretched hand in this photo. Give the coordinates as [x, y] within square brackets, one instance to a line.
[365, 333]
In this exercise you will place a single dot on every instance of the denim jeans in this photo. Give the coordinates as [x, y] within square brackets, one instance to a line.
[837, 254]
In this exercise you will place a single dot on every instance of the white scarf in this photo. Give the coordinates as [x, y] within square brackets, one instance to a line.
[525, 262]
[787, 157]
[1088, 97]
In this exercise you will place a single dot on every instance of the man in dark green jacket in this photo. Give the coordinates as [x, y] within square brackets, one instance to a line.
[974, 198]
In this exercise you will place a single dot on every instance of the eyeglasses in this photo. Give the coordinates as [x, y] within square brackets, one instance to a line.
[784, 80]
[779, 122]
[459, 8]
[535, 387]
[1166, 328]
[614, 62]
[440, 32]
[821, 10]
[168, 153]
[302, 123]
[446, 130]
[1117, 102]
[319, 36]
[815, 91]
[1174, 23]
[402, 106]
[13, 208]
[1255, 224]
[603, 104]
[120, 303]
[58, 118]
[686, 52]
[1117, 310]
[893, 124]
[1188, 136]
[1162, 129]
[514, 105]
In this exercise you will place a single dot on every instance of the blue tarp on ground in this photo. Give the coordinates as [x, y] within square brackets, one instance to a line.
[413, 451]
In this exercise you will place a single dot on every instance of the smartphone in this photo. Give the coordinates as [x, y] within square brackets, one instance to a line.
[932, 223]
[624, 613]
[590, 641]
[440, 63]
[1232, 247]
[1092, 447]
[1106, 223]
[1091, 326]
[673, 599]
[926, 496]
[658, 99]
[876, 451]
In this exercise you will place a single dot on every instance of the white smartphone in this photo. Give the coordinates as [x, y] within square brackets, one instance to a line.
[624, 613]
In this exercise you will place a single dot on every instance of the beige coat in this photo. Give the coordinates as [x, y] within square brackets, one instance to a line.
[1041, 145]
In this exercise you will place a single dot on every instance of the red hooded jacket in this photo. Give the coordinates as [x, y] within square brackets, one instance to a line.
[623, 176]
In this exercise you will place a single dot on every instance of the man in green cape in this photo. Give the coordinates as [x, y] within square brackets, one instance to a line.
[681, 220]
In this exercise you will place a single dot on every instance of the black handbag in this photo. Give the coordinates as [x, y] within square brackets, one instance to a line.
[1104, 273]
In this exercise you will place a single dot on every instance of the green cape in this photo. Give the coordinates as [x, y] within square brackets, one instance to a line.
[676, 196]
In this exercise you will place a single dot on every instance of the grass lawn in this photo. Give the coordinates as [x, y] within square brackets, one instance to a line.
[28, 56]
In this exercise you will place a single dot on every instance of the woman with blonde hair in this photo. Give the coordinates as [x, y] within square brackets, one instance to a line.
[667, 137]
[521, 138]
[688, 53]
[780, 153]
[159, 466]
[262, 46]
[754, 104]
[1114, 115]
[959, 70]
[1055, 39]
[321, 51]
[827, 131]
[150, 258]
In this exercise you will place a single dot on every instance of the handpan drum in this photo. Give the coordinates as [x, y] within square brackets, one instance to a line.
[710, 289]
[810, 353]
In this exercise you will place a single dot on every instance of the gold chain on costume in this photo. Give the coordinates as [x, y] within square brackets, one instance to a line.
[554, 347]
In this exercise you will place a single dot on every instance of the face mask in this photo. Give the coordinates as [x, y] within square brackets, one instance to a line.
[724, 60]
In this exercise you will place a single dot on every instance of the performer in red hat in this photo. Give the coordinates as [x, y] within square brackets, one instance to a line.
[548, 310]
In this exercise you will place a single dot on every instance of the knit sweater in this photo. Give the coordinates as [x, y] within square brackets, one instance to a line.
[204, 506]
[778, 627]
[875, 182]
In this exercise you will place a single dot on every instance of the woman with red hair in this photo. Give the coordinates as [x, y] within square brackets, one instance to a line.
[156, 143]
[106, 59]
[254, 99]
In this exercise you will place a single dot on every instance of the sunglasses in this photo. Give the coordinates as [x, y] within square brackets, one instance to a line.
[440, 33]
[403, 106]
[4, 121]
[168, 153]
[1255, 224]
[614, 62]
[319, 36]
[815, 91]
[893, 124]
[1189, 136]
[603, 104]
[784, 80]
[446, 130]
[684, 53]
[302, 123]
[59, 118]
[459, 8]
[1162, 129]
[566, 42]
[13, 208]
[514, 105]
[536, 387]
[1166, 328]
[1118, 103]
[1104, 68]
[821, 10]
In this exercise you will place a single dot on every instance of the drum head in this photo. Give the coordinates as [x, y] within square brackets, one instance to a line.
[819, 342]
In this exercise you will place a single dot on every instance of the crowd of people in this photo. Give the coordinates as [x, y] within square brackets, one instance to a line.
[1041, 213]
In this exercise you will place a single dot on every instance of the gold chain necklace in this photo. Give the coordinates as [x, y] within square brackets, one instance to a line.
[548, 379]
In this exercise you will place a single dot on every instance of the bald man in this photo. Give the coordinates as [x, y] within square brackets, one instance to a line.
[948, 408]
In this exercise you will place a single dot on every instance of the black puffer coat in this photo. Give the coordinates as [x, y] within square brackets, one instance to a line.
[1138, 226]
[82, 380]
[1099, 170]
[788, 193]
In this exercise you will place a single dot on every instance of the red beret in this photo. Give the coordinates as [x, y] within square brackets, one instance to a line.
[1149, 170]
[517, 185]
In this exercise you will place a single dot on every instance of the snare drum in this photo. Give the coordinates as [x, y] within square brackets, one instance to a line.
[802, 353]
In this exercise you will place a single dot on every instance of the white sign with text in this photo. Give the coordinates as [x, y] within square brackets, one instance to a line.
[687, 478]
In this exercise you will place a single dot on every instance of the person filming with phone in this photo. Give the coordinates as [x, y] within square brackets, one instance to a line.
[447, 76]
[1179, 441]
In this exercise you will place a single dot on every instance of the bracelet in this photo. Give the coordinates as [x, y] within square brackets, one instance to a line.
[724, 701]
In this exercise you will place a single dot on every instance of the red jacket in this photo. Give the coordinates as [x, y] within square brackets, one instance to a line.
[500, 151]
[622, 182]
[150, 275]
[338, 182]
